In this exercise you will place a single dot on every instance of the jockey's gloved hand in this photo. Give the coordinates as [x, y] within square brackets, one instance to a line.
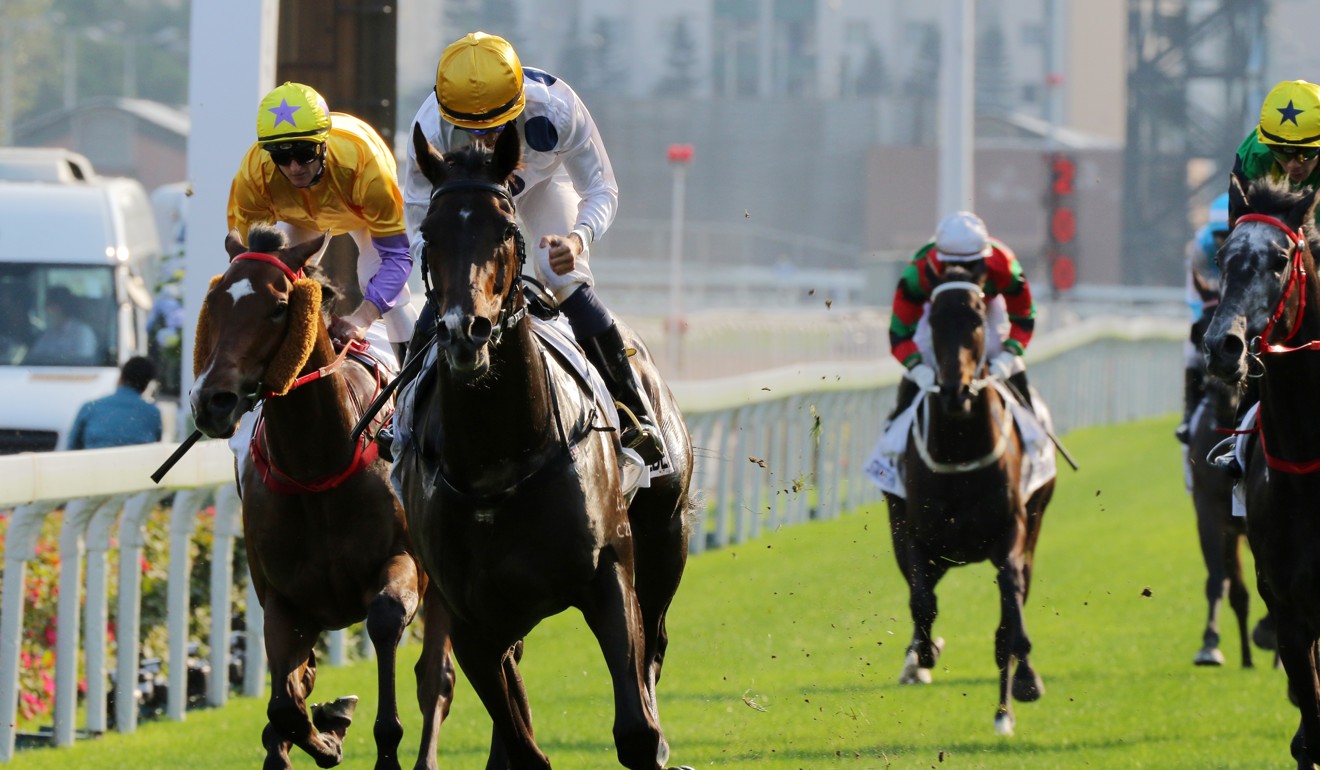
[1003, 365]
[923, 375]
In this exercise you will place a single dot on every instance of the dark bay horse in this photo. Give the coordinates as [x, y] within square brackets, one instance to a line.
[1268, 325]
[511, 487]
[964, 503]
[327, 541]
[1219, 532]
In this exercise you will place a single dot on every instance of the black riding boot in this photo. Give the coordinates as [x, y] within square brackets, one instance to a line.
[423, 331]
[907, 390]
[1019, 383]
[1193, 388]
[607, 353]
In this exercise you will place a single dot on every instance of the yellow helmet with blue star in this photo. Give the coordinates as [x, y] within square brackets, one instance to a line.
[1290, 115]
[292, 112]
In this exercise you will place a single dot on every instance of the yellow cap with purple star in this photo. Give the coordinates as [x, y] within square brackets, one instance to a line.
[292, 112]
[1290, 115]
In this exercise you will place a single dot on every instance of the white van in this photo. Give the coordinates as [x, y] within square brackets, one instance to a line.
[76, 254]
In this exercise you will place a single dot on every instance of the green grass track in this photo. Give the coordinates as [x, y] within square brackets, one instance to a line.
[785, 653]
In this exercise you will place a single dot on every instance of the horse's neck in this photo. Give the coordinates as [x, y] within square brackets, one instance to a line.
[505, 416]
[308, 428]
[953, 439]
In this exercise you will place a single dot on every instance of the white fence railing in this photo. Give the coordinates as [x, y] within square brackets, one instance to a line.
[772, 448]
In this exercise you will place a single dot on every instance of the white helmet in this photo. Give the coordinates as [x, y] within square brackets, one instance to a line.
[961, 237]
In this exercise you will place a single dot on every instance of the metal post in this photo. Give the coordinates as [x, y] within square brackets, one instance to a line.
[231, 66]
[680, 155]
[957, 116]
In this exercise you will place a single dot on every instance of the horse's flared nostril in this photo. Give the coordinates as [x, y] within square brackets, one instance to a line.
[220, 406]
[479, 330]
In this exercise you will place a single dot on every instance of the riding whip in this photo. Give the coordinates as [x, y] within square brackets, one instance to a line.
[174, 458]
[1057, 444]
[405, 375]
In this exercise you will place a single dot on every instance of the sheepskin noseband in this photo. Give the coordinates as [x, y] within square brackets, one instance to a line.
[299, 340]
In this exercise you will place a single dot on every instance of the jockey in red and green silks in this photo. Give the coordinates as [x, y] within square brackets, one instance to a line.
[961, 239]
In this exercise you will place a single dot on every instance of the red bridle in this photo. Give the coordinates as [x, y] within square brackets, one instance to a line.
[1296, 279]
[364, 451]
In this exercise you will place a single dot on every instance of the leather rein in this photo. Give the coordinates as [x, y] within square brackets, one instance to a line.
[365, 450]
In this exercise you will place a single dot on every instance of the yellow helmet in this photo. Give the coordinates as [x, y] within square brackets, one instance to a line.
[292, 112]
[479, 82]
[1290, 115]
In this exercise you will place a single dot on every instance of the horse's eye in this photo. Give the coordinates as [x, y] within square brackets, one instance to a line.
[281, 310]
[1281, 261]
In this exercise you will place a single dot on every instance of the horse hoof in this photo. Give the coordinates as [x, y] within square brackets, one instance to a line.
[1004, 724]
[1209, 656]
[913, 672]
[334, 717]
[1027, 685]
[1263, 635]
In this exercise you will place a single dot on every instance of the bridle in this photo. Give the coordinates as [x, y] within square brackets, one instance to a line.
[512, 308]
[365, 450]
[1296, 280]
[921, 429]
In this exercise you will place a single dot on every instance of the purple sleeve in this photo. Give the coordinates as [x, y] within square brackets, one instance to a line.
[395, 266]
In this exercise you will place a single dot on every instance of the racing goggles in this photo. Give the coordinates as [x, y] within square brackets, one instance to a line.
[303, 152]
[1285, 155]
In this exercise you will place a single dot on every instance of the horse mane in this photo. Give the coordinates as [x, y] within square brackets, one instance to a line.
[1268, 196]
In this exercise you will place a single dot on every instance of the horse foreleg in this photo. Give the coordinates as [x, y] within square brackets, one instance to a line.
[435, 676]
[922, 576]
[388, 614]
[289, 648]
[1214, 553]
[1012, 643]
[615, 617]
[492, 670]
[1239, 596]
[1298, 655]
[660, 556]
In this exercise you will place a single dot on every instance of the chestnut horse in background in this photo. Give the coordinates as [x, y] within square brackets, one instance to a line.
[964, 501]
[327, 541]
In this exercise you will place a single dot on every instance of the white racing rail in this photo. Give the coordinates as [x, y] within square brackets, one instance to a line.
[772, 449]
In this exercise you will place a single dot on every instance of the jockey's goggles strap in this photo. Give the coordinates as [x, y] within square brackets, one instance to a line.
[271, 259]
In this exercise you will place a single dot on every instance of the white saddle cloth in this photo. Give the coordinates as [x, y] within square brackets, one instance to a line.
[885, 465]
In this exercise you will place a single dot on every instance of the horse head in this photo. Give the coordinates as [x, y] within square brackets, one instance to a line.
[957, 330]
[1263, 266]
[473, 250]
[256, 328]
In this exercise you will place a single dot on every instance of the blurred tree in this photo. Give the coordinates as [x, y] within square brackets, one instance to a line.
[608, 75]
[994, 80]
[497, 17]
[681, 60]
[82, 49]
[873, 77]
[922, 85]
[25, 50]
